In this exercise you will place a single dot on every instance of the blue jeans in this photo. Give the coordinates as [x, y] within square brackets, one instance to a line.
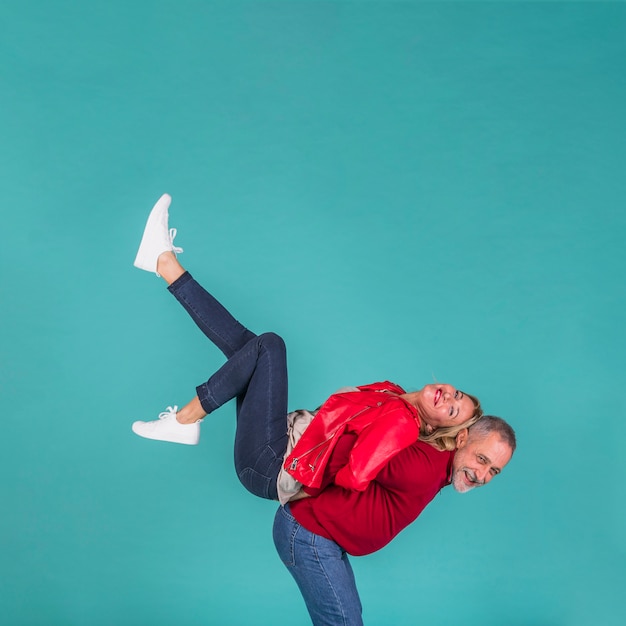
[255, 374]
[321, 570]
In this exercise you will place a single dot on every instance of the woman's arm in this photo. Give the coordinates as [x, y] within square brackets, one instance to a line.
[377, 444]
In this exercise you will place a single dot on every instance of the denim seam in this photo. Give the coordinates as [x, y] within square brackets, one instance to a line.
[320, 562]
[292, 541]
[270, 387]
[210, 395]
[207, 399]
[175, 289]
[195, 310]
[267, 482]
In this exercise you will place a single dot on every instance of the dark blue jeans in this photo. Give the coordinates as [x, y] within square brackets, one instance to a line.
[255, 374]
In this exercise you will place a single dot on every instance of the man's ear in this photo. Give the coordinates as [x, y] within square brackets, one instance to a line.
[461, 438]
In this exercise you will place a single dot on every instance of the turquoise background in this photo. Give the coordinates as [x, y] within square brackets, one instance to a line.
[403, 191]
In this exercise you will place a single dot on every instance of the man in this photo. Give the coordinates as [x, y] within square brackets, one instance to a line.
[314, 535]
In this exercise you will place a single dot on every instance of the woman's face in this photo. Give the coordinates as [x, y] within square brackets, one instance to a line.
[443, 405]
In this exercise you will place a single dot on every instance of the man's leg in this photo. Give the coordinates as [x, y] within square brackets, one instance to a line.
[321, 570]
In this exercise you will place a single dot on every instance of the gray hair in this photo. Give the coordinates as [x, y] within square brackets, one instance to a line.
[488, 424]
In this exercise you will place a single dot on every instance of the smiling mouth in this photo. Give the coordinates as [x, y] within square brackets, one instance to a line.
[472, 479]
[438, 395]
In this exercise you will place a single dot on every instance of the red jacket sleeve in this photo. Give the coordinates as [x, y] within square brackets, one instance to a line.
[391, 432]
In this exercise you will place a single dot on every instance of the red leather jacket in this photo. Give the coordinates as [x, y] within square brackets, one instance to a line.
[384, 423]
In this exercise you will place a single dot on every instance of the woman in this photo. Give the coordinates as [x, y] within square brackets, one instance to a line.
[255, 373]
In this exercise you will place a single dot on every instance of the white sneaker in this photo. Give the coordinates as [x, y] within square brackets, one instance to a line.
[157, 236]
[167, 428]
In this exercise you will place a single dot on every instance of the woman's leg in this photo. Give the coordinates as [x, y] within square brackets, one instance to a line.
[321, 570]
[208, 314]
[156, 253]
[255, 374]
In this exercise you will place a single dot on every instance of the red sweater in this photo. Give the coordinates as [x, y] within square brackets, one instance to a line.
[362, 522]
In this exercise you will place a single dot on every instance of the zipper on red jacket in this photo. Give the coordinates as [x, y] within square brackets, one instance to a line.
[294, 462]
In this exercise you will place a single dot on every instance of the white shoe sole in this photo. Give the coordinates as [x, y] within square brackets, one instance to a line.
[188, 434]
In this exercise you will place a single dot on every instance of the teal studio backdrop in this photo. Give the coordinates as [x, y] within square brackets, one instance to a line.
[403, 191]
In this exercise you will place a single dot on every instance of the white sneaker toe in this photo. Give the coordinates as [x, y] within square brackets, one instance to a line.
[157, 236]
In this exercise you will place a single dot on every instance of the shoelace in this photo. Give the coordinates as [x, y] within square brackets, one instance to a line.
[175, 249]
[171, 410]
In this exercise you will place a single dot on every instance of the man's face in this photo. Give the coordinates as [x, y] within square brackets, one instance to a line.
[478, 460]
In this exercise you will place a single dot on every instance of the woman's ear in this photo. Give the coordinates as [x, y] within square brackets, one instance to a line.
[461, 438]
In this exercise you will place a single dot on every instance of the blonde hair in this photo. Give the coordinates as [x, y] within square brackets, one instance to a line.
[445, 438]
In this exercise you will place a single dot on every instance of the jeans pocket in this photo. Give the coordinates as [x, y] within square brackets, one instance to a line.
[256, 483]
[260, 476]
